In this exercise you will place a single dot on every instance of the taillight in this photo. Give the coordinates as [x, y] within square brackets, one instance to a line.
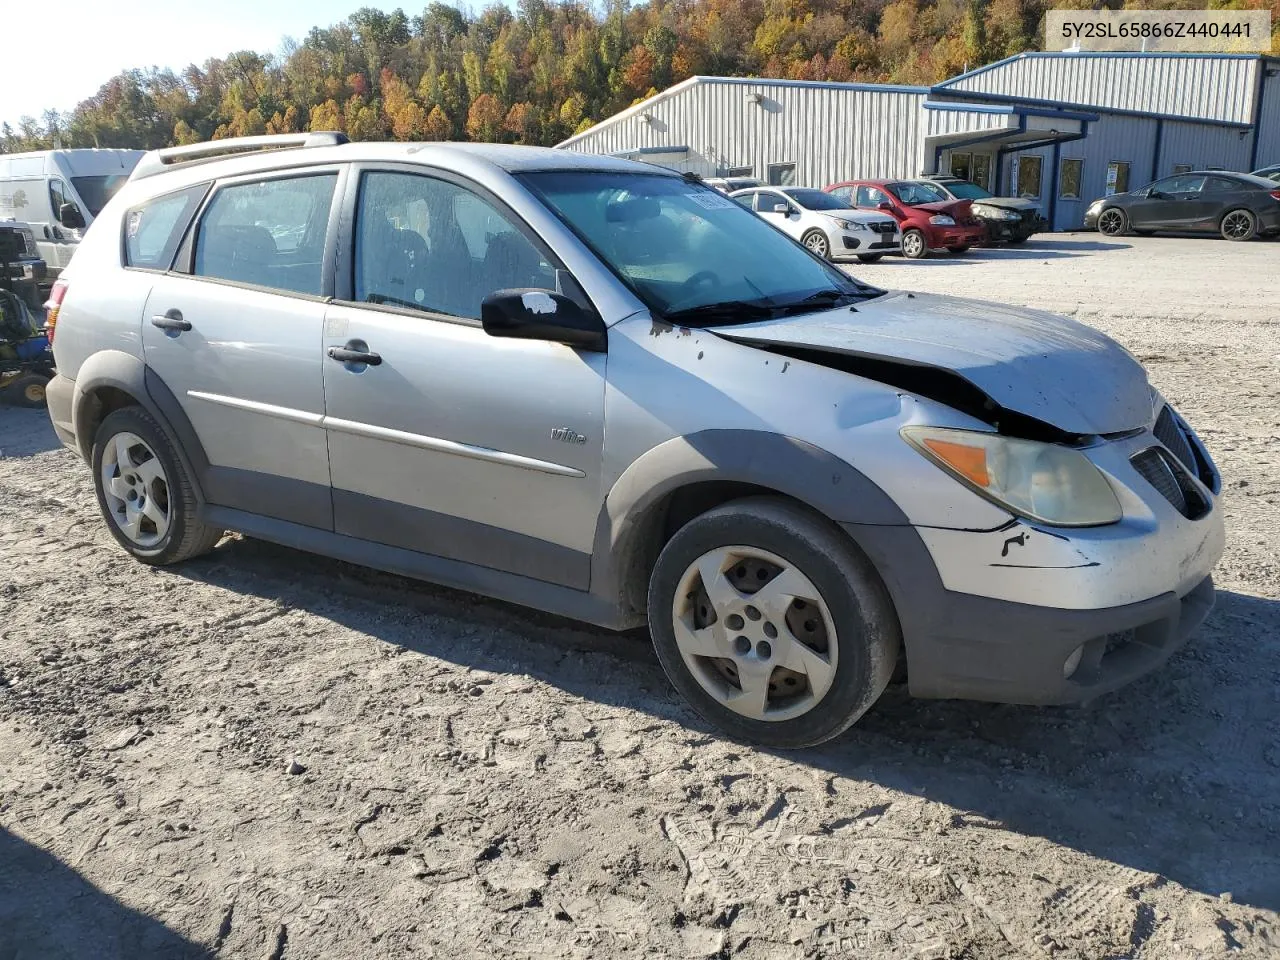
[52, 306]
[1275, 194]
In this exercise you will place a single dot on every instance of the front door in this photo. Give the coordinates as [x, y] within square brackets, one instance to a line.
[1172, 202]
[237, 341]
[778, 210]
[449, 441]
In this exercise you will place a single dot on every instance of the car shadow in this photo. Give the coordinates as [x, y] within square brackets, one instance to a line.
[25, 432]
[1177, 774]
[48, 910]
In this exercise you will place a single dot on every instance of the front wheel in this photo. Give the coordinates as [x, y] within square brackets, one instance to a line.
[1113, 222]
[144, 492]
[772, 623]
[914, 245]
[1239, 225]
[870, 257]
[817, 241]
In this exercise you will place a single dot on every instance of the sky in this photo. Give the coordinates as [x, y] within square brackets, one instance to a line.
[43, 68]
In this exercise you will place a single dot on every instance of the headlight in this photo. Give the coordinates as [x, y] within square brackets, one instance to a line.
[1041, 481]
[942, 220]
[1095, 206]
[996, 213]
[848, 224]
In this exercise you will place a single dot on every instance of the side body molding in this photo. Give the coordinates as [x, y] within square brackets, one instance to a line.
[630, 524]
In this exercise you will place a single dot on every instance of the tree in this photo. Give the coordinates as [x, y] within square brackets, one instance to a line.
[484, 119]
[438, 126]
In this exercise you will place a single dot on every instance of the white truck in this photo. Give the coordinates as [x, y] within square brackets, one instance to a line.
[59, 192]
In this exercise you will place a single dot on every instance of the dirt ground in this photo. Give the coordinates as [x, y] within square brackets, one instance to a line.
[266, 754]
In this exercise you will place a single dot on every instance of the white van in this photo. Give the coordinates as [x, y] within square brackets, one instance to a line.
[59, 192]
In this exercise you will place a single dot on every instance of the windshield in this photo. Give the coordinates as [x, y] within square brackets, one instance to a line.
[915, 192]
[817, 200]
[968, 191]
[688, 251]
[96, 191]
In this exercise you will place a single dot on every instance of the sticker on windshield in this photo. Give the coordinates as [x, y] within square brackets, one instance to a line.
[710, 200]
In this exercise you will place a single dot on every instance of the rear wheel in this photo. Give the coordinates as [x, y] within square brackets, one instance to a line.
[1239, 225]
[144, 492]
[817, 241]
[771, 623]
[870, 257]
[1113, 222]
[960, 249]
[914, 245]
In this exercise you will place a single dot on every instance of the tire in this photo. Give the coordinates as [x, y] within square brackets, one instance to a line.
[1238, 225]
[914, 246]
[817, 241]
[760, 540]
[870, 257]
[1113, 222]
[132, 447]
[964, 248]
[27, 391]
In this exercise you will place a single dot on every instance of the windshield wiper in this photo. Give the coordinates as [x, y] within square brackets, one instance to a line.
[724, 311]
[830, 297]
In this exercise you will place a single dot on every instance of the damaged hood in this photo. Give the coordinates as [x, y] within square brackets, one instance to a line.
[1036, 364]
[1008, 203]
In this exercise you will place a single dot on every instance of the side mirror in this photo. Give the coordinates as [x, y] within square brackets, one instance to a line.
[884, 205]
[530, 314]
[780, 208]
[69, 216]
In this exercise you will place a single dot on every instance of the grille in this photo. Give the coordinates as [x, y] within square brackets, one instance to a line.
[1164, 473]
[883, 227]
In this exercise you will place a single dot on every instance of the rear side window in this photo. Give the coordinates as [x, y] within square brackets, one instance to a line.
[153, 230]
[1221, 185]
[267, 234]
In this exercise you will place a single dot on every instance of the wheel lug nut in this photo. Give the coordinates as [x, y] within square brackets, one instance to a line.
[734, 622]
[752, 613]
[742, 645]
[763, 650]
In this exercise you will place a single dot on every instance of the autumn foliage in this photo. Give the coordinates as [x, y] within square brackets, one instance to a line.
[543, 71]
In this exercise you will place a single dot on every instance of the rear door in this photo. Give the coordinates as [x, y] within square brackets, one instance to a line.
[234, 332]
[1220, 194]
[454, 443]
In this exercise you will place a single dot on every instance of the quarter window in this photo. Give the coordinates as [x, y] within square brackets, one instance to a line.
[1069, 175]
[431, 245]
[153, 230]
[268, 234]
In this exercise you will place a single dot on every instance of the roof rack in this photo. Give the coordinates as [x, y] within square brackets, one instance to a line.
[157, 161]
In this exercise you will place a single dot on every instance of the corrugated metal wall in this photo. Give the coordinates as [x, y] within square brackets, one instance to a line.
[1269, 119]
[829, 132]
[941, 123]
[1200, 145]
[1211, 88]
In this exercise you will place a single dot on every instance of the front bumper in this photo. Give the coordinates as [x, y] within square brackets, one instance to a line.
[1091, 218]
[1005, 230]
[940, 238]
[1026, 613]
[847, 243]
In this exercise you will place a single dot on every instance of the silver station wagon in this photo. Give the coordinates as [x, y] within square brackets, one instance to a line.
[606, 390]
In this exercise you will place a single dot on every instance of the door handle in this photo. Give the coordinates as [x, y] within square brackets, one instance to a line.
[355, 351]
[171, 320]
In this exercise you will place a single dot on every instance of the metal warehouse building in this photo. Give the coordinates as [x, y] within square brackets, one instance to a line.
[1061, 128]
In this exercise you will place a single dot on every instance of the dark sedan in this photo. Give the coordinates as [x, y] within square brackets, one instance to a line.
[1236, 206]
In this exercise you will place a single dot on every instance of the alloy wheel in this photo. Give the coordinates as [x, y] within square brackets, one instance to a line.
[1237, 225]
[913, 244]
[136, 489]
[817, 243]
[1111, 222]
[755, 633]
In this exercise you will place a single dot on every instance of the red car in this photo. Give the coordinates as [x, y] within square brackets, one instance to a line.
[927, 219]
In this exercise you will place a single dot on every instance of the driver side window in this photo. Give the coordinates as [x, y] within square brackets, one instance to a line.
[869, 197]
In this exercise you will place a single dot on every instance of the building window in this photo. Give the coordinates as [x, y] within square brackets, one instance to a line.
[962, 165]
[782, 175]
[1069, 174]
[982, 170]
[1181, 168]
[1117, 177]
[1026, 177]
[740, 172]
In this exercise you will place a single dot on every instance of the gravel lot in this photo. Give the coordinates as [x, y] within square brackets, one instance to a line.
[265, 754]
